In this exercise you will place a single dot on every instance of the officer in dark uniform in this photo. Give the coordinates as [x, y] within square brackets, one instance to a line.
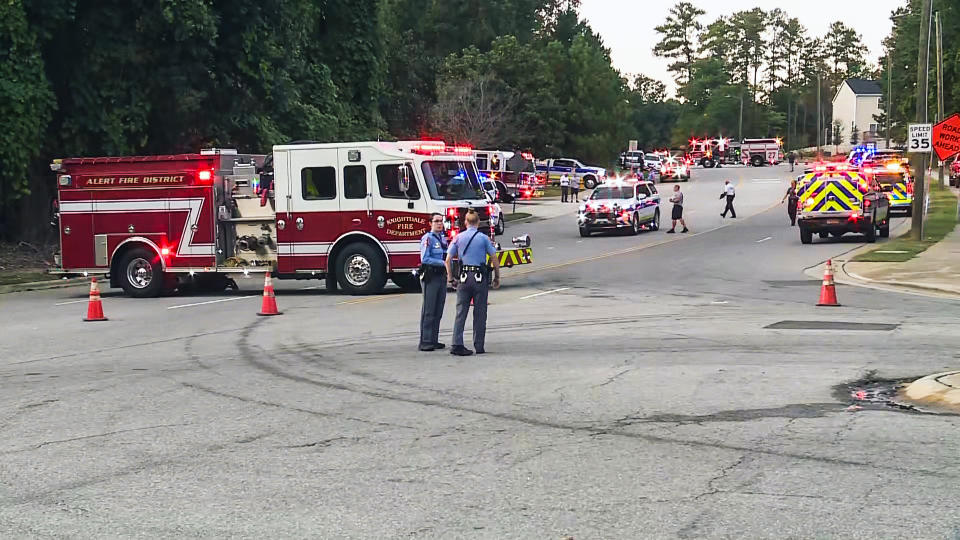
[433, 277]
[472, 248]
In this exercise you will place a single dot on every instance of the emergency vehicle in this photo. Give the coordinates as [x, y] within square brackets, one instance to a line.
[760, 152]
[352, 213]
[674, 168]
[955, 172]
[628, 205]
[708, 153]
[512, 168]
[894, 179]
[834, 199]
[588, 177]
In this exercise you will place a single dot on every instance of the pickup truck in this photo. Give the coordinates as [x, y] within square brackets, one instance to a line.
[588, 176]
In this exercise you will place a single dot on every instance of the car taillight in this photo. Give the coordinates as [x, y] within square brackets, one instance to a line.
[866, 203]
[910, 188]
[625, 215]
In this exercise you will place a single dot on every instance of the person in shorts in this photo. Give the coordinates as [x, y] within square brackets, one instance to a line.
[677, 212]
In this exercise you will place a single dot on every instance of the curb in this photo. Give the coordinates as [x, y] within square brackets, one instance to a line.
[43, 285]
[935, 390]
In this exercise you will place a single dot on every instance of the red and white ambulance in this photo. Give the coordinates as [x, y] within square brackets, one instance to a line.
[353, 213]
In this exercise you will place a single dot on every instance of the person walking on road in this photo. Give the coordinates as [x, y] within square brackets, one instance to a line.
[433, 280]
[792, 158]
[564, 187]
[677, 213]
[792, 198]
[473, 284]
[729, 193]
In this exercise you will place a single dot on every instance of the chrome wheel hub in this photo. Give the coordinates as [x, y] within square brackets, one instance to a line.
[358, 270]
[140, 273]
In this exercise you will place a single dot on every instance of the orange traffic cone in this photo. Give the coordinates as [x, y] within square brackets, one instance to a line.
[828, 292]
[94, 306]
[269, 300]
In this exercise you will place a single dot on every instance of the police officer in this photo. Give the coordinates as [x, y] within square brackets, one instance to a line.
[472, 248]
[728, 193]
[433, 276]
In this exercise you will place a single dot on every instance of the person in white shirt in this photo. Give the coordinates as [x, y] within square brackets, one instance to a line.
[564, 187]
[729, 193]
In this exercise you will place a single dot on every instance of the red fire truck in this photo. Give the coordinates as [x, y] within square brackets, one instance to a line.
[352, 213]
[760, 152]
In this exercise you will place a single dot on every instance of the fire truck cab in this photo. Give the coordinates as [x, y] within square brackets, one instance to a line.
[352, 213]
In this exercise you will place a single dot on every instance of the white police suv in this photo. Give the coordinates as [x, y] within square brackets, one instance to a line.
[628, 205]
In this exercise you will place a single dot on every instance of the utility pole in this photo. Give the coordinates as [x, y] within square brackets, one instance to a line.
[939, 40]
[740, 128]
[819, 131]
[889, 92]
[920, 159]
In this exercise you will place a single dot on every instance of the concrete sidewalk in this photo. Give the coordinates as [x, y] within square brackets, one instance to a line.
[940, 390]
[937, 269]
[544, 208]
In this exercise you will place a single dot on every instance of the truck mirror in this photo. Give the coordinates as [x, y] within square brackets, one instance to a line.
[404, 179]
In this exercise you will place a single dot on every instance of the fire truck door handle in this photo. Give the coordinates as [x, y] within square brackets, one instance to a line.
[356, 221]
[299, 223]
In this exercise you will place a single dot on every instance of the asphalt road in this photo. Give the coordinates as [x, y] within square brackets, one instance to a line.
[632, 390]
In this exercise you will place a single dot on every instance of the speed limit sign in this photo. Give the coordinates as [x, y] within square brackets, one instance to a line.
[919, 139]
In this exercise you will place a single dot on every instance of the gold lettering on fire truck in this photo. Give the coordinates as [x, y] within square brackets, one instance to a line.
[134, 180]
[407, 226]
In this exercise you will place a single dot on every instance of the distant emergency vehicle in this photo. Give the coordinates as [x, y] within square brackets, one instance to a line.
[834, 199]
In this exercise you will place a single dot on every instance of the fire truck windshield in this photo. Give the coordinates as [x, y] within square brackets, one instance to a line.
[452, 180]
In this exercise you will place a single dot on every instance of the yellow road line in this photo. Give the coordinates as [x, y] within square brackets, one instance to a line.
[632, 249]
[369, 299]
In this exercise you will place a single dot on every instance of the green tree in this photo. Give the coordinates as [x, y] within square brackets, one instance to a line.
[26, 107]
[678, 41]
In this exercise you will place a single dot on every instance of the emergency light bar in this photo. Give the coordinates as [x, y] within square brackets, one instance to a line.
[440, 147]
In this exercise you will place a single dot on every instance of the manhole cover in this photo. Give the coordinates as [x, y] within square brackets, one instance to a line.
[830, 325]
[793, 283]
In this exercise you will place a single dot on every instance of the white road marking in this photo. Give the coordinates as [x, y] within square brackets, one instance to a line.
[551, 247]
[766, 181]
[311, 288]
[764, 239]
[890, 251]
[719, 302]
[213, 301]
[72, 302]
[543, 293]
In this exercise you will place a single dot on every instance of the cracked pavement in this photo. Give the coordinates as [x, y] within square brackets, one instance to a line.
[649, 400]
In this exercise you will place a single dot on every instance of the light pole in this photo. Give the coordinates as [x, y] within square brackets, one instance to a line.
[819, 120]
[889, 93]
[939, 28]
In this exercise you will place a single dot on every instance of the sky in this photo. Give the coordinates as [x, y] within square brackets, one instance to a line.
[627, 26]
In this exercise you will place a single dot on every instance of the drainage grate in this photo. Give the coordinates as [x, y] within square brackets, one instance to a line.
[830, 325]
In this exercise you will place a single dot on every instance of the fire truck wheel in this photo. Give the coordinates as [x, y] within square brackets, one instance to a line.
[806, 236]
[361, 269]
[871, 234]
[708, 164]
[757, 161]
[406, 281]
[140, 273]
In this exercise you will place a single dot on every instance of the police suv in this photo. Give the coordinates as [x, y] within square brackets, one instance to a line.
[628, 205]
[834, 199]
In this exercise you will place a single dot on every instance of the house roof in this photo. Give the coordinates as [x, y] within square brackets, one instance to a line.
[864, 87]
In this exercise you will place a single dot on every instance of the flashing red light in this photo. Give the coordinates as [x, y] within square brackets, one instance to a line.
[842, 167]
[430, 147]
[205, 176]
[855, 217]
[821, 168]
[866, 203]
[910, 188]
[451, 213]
[165, 251]
[527, 156]
[463, 150]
